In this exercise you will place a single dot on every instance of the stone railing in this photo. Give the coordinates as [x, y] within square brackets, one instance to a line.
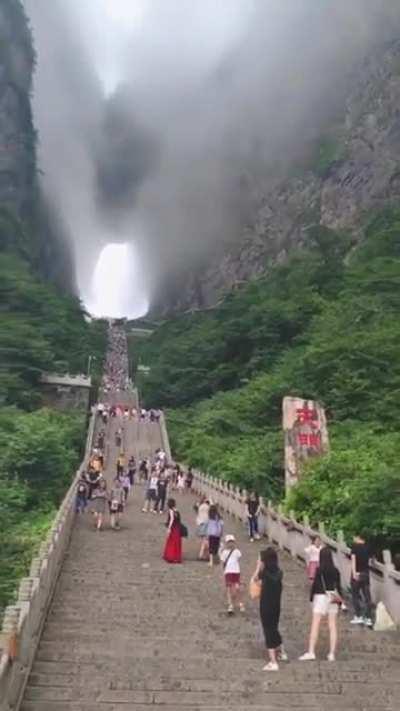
[164, 437]
[23, 621]
[293, 537]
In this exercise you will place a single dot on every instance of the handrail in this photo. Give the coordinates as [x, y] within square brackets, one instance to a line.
[292, 536]
[164, 437]
[23, 622]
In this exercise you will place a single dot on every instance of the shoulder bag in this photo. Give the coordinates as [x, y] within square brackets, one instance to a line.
[333, 595]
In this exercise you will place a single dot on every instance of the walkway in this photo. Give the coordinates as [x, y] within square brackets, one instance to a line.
[127, 632]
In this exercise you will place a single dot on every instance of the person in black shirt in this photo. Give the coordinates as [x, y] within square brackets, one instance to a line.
[360, 583]
[162, 488]
[326, 596]
[270, 576]
[189, 479]
[252, 513]
[93, 478]
[131, 469]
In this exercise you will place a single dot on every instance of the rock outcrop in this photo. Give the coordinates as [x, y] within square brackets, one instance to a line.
[17, 135]
[363, 176]
[27, 224]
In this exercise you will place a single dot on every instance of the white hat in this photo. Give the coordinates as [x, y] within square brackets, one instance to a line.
[230, 538]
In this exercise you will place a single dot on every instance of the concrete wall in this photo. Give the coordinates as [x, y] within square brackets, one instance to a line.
[23, 622]
[65, 397]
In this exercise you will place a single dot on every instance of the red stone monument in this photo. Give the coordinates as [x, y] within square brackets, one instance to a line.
[306, 435]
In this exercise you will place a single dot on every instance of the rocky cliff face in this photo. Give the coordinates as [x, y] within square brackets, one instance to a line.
[26, 224]
[359, 175]
[17, 137]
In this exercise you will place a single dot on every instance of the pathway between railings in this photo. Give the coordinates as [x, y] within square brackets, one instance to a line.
[127, 632]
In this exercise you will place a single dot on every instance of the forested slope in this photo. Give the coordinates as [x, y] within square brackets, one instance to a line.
[323, 325]
[40, 329]
[41, 326]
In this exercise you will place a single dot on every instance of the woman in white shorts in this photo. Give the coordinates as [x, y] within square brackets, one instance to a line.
[202, 526]
[326, 597]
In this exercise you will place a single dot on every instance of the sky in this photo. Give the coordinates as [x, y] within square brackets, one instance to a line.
[163, 123]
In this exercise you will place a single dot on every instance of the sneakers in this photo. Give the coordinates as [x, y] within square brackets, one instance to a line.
[242, 607]
[357, 621]
[257, 537]
[368, 622]
[230, 610]
[251, 540]
[307, 657]
[331, 657]
[271, 666]
[283, 656]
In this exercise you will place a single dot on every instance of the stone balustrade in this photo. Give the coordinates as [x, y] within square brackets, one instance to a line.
[293, 537]
[164, 437]
[23, 621]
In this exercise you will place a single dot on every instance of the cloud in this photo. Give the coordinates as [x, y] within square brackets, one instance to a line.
[163, 121]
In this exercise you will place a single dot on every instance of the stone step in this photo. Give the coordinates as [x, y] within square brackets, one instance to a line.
[284, 682]
[229, 699]
[267, 706]
[348, 670]
[127, 632]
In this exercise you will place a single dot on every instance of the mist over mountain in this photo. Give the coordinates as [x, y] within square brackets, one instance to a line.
[166, 129]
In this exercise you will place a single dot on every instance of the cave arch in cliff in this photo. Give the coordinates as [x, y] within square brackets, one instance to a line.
[117, 288]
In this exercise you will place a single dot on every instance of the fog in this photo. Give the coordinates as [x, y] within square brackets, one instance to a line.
[162, 122]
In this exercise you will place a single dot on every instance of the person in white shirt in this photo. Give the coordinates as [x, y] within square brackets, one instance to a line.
[312, 552]
[151, 493]
[202, 527]
[181, 483]
[230, 557]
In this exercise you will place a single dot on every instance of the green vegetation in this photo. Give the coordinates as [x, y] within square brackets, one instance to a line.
[328, 151]
[325, 325]
[39, 452]
[40, 329]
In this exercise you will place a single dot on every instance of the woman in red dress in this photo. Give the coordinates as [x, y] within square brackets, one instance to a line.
[173, 544]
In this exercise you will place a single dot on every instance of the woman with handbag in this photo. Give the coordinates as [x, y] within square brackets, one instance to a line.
[173, 544]
[116, 504]
[266, 583]
[99, 503]
[215, 529]
[202, 511]
[326, 598]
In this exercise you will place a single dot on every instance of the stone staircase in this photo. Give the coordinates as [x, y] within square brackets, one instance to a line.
[127, 632]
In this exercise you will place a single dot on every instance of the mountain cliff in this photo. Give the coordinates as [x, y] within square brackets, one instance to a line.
[17, 135]
[353, 171]
[27, 225]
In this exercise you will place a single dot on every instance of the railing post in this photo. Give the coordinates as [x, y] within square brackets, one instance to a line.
[292, 539]
[281, 528]
[387, 565]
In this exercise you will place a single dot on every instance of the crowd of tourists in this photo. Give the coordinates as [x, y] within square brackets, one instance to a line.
[164, 482]
[266, 583]
[116, 371]
[159, 479]
[120, 411]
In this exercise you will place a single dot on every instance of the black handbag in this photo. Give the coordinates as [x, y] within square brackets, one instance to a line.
[184, 531]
